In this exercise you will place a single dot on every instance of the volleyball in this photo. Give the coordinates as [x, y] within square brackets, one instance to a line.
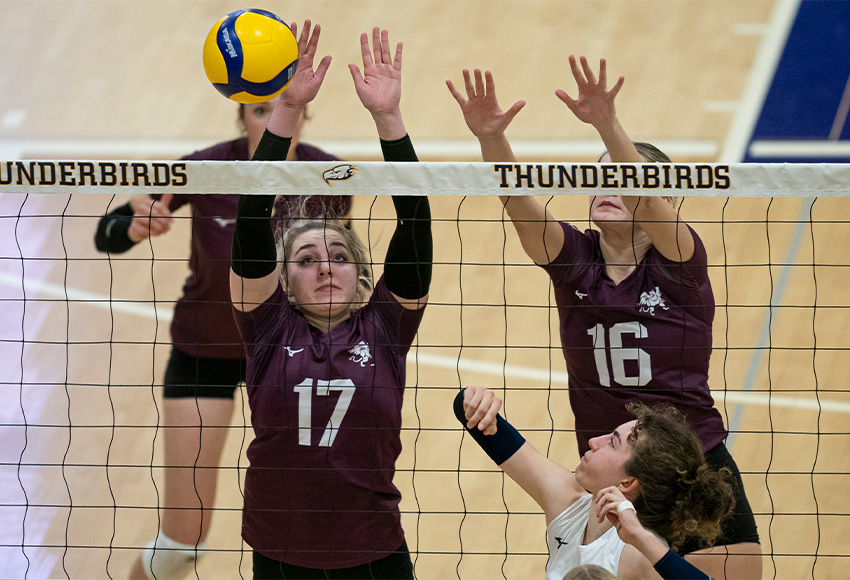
[250, 56]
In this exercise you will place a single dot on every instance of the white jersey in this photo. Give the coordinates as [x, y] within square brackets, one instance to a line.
[564, 535]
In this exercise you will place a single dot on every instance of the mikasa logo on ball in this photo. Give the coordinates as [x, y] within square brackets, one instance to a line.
[230, 50]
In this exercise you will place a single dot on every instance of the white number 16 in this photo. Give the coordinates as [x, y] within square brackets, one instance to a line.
[620, 355]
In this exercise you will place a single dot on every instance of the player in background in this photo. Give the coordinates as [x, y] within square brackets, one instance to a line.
[207, 360]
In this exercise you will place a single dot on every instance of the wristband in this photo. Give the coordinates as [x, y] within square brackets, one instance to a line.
[625, 505]
[499, 447]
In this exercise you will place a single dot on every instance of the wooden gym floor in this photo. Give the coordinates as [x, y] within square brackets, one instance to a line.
[122, 79]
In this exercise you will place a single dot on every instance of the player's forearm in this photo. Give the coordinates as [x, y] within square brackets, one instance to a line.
[254, 251]
[496, 148]
[408, 264]
[539, 232]
[620, 148]
[283, 122]
[390, 125]
[499, 447]
[112, 233]
[650, 546]
[672, 566]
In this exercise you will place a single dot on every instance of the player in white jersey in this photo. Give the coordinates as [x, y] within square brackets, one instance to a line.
[655, 462]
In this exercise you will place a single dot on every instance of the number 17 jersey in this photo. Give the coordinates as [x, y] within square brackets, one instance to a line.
[645, 339]
[326, 413]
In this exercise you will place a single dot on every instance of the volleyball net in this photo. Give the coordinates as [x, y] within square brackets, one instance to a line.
[85, 338]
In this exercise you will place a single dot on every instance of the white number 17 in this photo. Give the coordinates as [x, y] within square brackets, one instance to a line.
[305, 408]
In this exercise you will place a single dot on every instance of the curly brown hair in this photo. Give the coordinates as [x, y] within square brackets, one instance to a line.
[680, 497]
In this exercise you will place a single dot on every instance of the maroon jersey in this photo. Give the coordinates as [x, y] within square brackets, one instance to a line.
[326, 413]
[203, 323]
[645, 339]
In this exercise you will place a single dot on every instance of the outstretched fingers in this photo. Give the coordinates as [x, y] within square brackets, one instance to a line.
[365, 50]
[588, 72]
[578, 75]
[455, 93]
[616, 88]
[567, 99]
[398, 50]
[479, 84]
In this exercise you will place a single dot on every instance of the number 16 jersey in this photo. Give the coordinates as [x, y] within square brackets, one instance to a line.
[645, 339]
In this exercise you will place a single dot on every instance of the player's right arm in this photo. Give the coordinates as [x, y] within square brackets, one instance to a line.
[552, 486]
[540, 234]
[254, 274]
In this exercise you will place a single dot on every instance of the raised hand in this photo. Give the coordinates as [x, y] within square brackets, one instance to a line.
[306, 81]
[150, 217]
[379, 84]
[480, 108]
[480, 406]
[595, 103]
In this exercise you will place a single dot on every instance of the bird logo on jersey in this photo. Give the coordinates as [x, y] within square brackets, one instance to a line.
[649, 300]
[360, 353]
[339, 173]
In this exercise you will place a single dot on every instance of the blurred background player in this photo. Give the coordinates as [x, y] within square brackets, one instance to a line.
[630, 296]
[207, 359]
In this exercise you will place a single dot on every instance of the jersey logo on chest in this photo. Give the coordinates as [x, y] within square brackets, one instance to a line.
[360, 353]
[649, 300]
[224, 222]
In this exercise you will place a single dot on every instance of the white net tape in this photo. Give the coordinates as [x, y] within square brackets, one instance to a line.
[431, 178]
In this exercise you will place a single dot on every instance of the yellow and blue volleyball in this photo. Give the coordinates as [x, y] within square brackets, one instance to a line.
[250, 56]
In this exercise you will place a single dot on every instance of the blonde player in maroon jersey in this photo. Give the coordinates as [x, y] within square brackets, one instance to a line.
[326, 363]
[634, 298]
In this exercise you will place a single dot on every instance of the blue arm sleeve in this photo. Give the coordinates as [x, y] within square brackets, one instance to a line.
[501, 446]
[673, 567]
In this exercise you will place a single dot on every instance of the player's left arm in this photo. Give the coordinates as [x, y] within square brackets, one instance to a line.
[658, 217]
[407, 266]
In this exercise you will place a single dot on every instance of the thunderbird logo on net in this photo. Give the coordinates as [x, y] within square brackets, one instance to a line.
[339, 173]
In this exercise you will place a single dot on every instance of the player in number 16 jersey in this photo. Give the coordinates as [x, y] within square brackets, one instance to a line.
[634, 299]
